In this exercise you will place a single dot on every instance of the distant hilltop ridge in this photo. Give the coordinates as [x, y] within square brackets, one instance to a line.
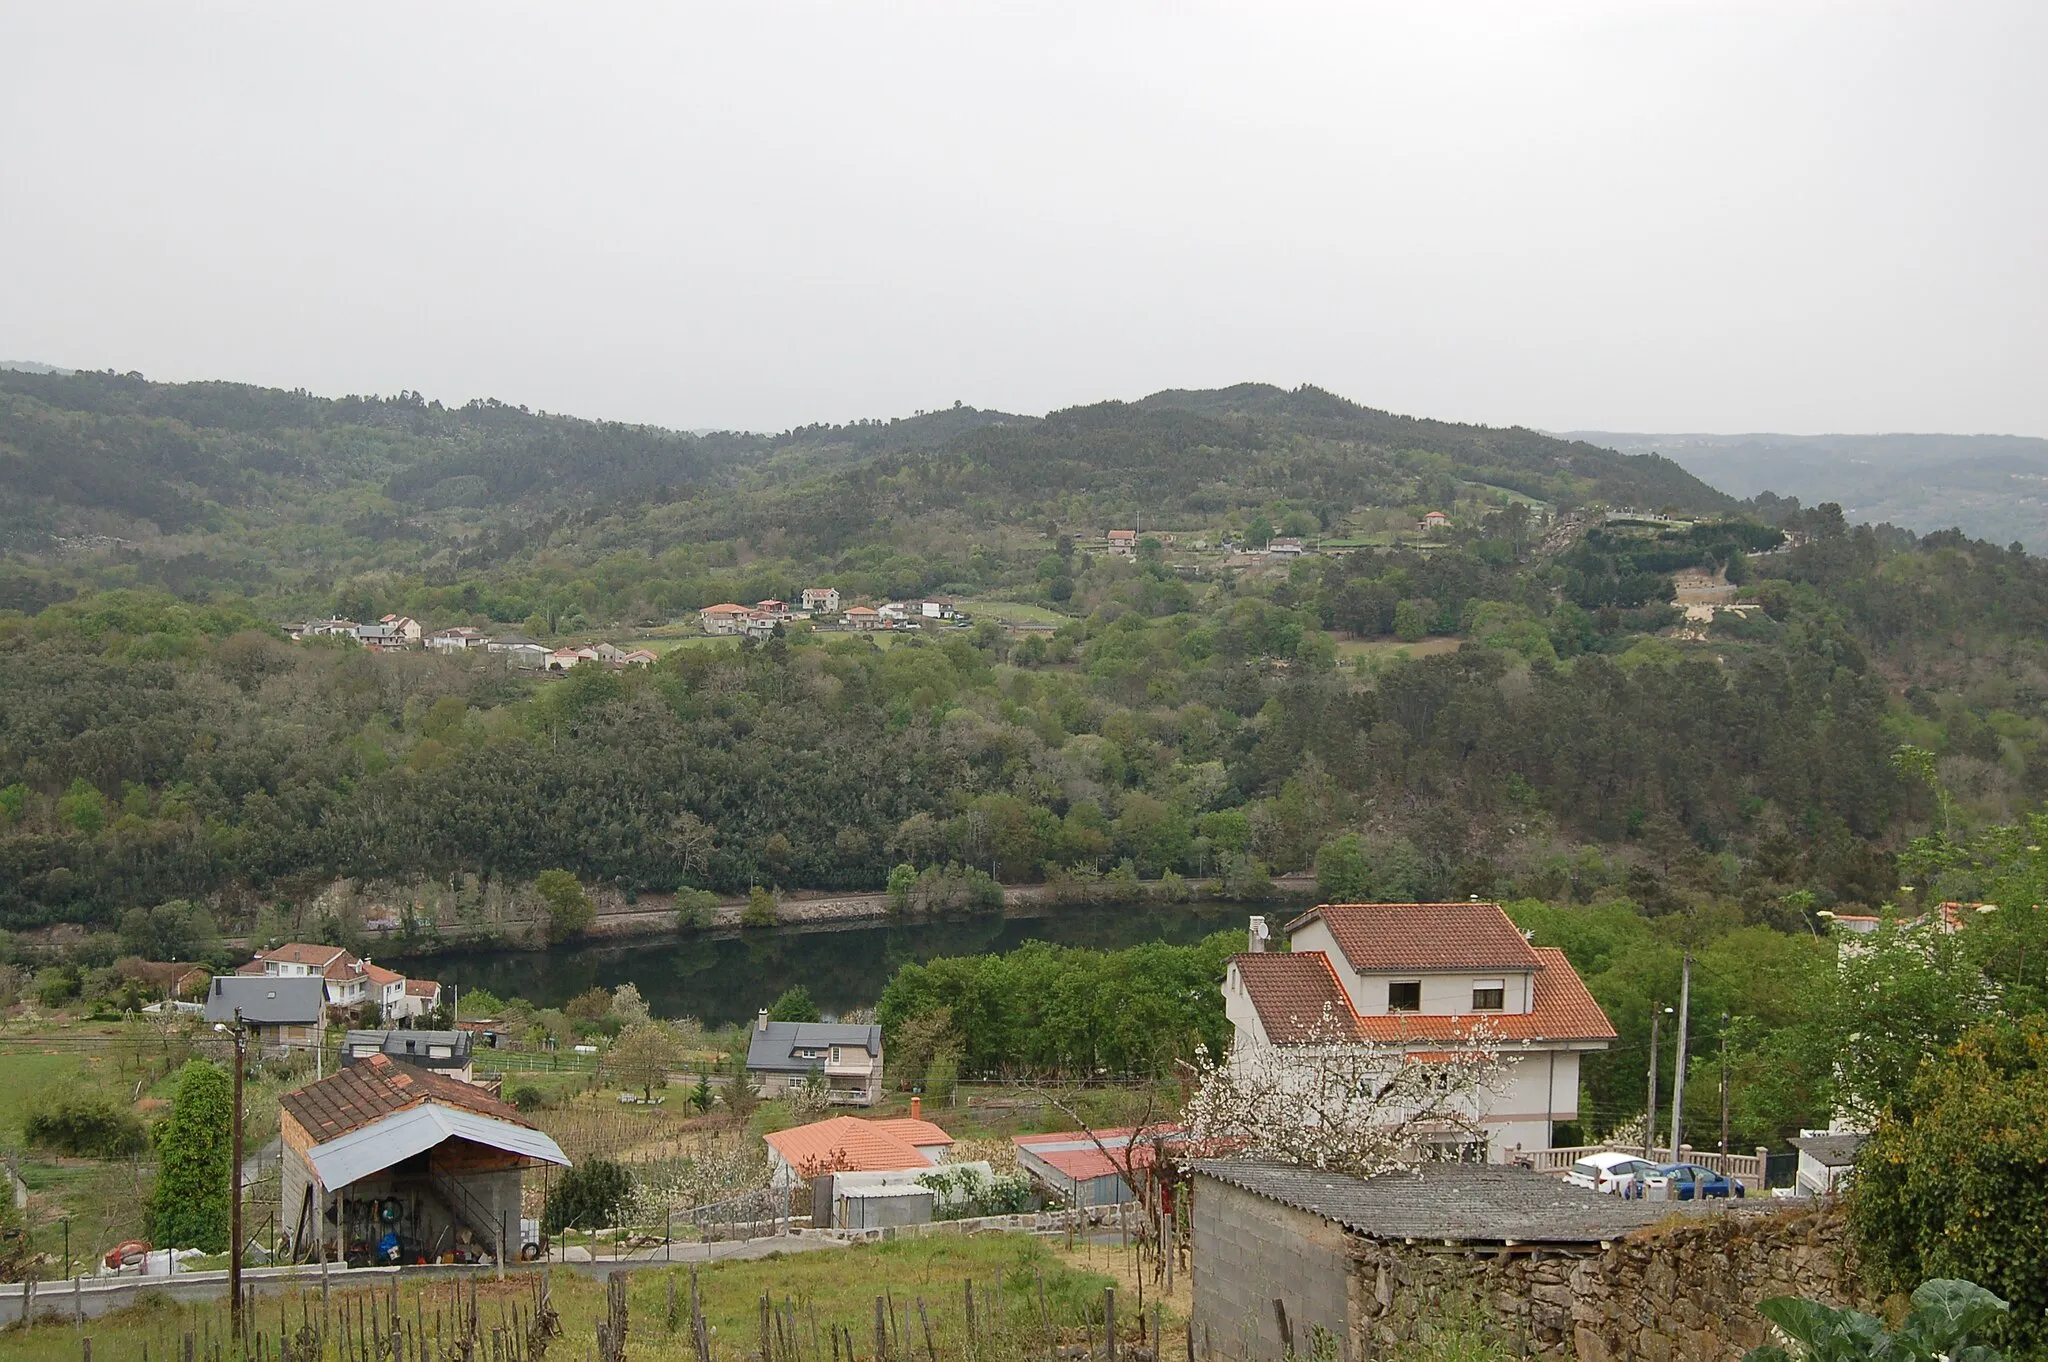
[30, 366]
[1992, 487]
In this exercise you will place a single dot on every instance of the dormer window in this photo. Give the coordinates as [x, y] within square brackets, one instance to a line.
[1404, 995]
[1489, 995]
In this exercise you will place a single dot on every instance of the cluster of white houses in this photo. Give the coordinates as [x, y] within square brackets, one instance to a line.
[822, 603]
[397, 633]
[286, 994]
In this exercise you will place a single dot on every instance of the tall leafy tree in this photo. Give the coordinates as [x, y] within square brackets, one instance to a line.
[188, 1204]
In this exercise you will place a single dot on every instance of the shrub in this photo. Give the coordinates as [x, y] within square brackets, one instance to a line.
[760, 910]
[1950, 1184]
[73, 1119]
[696, 909]
[526, 1097]
[58, 985]
[587, 1197]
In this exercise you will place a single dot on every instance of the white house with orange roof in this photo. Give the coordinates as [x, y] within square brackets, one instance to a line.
[724, 618]
[1420, 979]
[348, 981]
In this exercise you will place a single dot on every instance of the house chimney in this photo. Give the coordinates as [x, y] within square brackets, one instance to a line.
[1261, 935]
[916, 1108]
[761, 1022]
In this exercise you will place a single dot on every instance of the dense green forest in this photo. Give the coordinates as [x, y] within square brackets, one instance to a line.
[160, 739]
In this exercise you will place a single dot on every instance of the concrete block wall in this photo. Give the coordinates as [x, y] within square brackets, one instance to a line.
[1249, 1252]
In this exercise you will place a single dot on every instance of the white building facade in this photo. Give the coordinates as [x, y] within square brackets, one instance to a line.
[1418, 980]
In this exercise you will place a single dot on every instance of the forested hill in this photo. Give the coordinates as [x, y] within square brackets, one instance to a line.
[207, 487]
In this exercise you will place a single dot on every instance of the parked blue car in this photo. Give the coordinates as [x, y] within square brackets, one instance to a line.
[1690, 1182]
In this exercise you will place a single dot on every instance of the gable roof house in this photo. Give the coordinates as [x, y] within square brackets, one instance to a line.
[783, 1055]
[1412, 978]
[349, 982]
[1124, 542]
[444, 1052]
[459, 639]
[408, 628]
[725, 618]
[448, 1154]
[279, 1014]
[822, 599]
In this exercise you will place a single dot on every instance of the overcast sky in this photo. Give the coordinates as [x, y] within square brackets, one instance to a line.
[1560, 213]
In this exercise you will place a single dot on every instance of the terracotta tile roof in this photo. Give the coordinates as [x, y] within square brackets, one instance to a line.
[373, 1088]
[1293, 993]
[304, 953]
[421, 988]
[1423, 936]
[377, 974]
[912, 1131]
[1564, 1010]
[1290, 990]
[846, 1144]
[728, 608]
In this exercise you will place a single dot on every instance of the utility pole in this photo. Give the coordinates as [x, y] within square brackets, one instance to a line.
[1724, 1085]
[1678, 1075]
[235, 1196]
[1650, 1106]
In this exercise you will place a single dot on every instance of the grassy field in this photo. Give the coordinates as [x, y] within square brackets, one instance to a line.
[1015, 612]
[1350, 649]
[823, 1290]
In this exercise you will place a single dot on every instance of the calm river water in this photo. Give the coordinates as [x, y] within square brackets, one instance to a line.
[725, 978]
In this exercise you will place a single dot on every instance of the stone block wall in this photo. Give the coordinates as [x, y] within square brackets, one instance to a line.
[1249, 1252]
[1685, 1292]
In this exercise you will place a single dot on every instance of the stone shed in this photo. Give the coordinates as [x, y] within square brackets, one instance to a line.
[1548, 1270]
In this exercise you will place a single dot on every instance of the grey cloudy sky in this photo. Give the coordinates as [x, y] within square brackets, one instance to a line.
[1634, 214]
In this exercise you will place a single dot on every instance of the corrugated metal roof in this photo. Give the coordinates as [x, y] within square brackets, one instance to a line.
[1458, 1202]
[397, 1137]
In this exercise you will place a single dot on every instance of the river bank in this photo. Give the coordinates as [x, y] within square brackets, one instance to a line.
[421, 919]
[723, 975]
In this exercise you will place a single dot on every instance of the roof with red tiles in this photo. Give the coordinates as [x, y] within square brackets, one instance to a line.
[847, 1144]
[377, 974]
[1297, 996]
[1377, 937]
[1563, 1010]
[1290, 998]
[912, 1131]
[332, 961]
[373, 1088]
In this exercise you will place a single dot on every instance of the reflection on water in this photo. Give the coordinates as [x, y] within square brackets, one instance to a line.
[725, 978]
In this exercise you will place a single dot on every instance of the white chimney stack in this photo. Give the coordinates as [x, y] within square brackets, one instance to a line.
[1261, 935]
[761, 1022]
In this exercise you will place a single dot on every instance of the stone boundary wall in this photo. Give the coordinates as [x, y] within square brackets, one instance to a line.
[1682, 1292]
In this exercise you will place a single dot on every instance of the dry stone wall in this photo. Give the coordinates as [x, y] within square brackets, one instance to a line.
[1684, 1292]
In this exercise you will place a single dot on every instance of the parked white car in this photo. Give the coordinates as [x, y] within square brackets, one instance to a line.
[1614, 1173]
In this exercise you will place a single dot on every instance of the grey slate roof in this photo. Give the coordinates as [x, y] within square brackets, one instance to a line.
[266, 999]
[773, 1050]
[1831, 1151]
[412, 1047]
[1461, 1202]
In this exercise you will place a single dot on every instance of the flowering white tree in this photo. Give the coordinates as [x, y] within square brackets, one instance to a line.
[1328, 1101]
